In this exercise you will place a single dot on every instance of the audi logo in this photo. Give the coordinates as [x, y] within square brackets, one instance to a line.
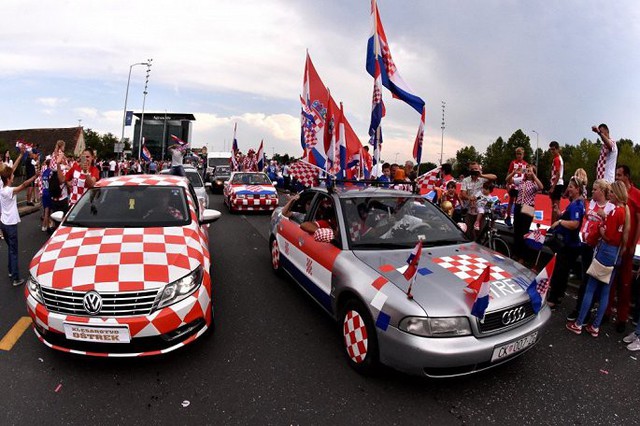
[92, 302]
[513, 315]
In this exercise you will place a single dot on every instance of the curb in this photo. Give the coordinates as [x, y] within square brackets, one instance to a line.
[25, 210]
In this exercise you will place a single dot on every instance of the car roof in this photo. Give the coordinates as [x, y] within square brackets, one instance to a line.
[144, 180]
[352, 192]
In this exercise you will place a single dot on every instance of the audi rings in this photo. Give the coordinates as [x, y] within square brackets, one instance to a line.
[512, 316]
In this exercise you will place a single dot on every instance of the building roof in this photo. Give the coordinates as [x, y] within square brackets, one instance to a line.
[46, 138]
[170, 116]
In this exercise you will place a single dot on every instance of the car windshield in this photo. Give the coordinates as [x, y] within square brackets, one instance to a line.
[250, 179]
[218, 161]
[130, 207]
[397, 222]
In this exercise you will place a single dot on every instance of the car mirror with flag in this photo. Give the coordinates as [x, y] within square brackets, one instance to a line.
[412, 269]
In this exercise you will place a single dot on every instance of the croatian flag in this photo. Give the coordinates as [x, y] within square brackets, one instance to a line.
[330, 146]
[234, 147]
[378, 53]
[260, 156]
[537, 290]
[177, 140]
[27, 146]
[342, 144]
[145, 154]
[412, 261]
[417, 145]
[482, 286]
[535, 239]
[377, 112]
[428, 181]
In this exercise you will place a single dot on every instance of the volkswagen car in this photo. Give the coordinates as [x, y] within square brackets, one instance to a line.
[127, 271]
[353, 265]
[199, 186]
[250, 191]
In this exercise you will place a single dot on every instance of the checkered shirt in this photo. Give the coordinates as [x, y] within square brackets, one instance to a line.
[527, 193]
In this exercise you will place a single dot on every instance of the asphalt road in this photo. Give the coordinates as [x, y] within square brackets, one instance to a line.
[275, 358]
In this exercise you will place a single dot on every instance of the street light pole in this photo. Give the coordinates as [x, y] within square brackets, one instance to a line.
[536, 148]
[144, 99]
[442, 140]
[126, 98]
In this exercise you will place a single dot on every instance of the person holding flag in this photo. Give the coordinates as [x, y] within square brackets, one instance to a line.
[177, 156]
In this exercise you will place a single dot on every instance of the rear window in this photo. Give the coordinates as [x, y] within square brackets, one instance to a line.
[131, 207]
[218, 161]
[251, 179]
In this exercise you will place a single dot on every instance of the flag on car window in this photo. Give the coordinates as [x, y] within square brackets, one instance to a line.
[412, 261]
[537, 290]
[417, 145]
[482, 286]
[260, 157]
[304, 172]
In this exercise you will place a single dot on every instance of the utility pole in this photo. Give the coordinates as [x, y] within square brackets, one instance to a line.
[144, 99]
[442, 140]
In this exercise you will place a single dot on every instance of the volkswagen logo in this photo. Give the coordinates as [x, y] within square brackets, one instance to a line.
[92, 302]
[513, 315]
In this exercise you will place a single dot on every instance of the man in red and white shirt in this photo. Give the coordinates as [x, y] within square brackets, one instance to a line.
[515, 176]
[81, 176]
[606, 165]
[557, 183]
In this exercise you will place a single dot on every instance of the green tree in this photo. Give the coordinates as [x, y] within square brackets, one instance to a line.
[102, 145]
[464, 156]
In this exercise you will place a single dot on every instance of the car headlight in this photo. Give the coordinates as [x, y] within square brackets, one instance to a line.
[180, 289]
[34, 289]
[218, 182]
[436, 327]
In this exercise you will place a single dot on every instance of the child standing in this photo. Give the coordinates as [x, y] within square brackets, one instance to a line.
[10, 217]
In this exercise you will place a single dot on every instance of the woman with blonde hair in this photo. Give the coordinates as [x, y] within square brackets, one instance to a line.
[613, 237]
[597, 210]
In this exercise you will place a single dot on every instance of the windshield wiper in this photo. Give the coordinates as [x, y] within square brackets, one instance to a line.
[443, 242]
[381, 246]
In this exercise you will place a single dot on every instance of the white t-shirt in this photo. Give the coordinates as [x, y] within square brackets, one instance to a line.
[9, 206]
[610, 165]
[112, 166]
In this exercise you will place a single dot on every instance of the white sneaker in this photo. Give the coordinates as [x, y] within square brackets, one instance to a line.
[630, 338]
[635, 345]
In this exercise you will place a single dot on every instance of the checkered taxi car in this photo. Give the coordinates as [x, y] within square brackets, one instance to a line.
[357, 278]
[250, 191]
[127, 271]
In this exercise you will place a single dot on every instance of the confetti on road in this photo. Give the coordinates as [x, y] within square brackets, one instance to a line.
[185, 403]
[633, 358]
[58, 388]
[604, 371]
[40, 359]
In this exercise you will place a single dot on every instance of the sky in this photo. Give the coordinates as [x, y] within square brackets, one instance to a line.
[499, 65]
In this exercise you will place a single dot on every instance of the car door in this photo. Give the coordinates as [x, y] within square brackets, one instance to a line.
[310, 261]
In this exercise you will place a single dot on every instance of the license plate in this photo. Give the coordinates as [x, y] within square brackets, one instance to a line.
[97, 334]
[511, 348]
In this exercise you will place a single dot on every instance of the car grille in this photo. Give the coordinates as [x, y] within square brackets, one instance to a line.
[124, 304]
[493, 321]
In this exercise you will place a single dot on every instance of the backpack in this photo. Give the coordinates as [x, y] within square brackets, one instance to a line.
[54, 185]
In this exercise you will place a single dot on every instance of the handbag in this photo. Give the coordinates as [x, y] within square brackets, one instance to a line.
[600, 272]
[528, 210]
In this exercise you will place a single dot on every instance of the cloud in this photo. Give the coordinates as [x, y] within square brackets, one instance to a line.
[51, 102]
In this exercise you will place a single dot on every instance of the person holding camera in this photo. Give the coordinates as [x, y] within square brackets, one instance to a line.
[606, 165]
[471, 186]
[80, 177]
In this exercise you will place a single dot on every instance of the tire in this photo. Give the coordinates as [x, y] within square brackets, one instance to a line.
[501, 247]
[276, 264]
[359, 338]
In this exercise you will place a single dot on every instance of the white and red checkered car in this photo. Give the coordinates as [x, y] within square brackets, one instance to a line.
[402, 281]
[247, 191]
[127, 271]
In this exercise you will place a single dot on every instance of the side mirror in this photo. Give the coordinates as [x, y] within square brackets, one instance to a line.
[209, 216]
[57, 216]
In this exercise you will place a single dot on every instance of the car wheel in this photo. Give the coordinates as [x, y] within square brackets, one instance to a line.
[275, 257]
[359, 338]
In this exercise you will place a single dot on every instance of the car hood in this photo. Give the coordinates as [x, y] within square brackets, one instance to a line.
[253, 189]
[118, 259]
[440, 286]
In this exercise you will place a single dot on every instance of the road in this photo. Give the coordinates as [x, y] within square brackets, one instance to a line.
[275, 358]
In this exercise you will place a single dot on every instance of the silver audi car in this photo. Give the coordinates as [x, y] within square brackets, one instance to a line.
[348, 249]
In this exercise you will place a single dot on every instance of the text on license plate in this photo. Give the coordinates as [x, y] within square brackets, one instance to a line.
[511, 348]
[107, 334]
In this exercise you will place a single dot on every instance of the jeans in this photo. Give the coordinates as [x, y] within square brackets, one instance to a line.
[10, 233]
[178, 171]
[607, 255]
[521, 225]
[586, 256]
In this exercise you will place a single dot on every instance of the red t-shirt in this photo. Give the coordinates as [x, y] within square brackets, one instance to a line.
[519, 176]
[614, 226]
[589, 233]
[77, 178]
[634, 207]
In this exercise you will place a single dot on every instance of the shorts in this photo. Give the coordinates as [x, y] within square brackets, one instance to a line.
[46, 201]
[513, 193]
[557, 193]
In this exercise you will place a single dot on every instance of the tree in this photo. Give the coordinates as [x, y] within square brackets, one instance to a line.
[102, 145]
[464, 156]
[425, 167]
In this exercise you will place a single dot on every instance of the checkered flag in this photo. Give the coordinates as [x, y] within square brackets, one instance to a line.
[428, 181]
[305, 173]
